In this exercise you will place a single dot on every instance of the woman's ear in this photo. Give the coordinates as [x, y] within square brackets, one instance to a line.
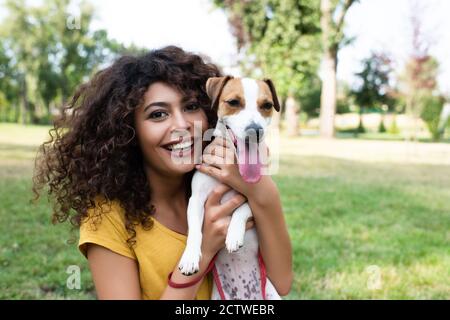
[276, 103]
[214, 87]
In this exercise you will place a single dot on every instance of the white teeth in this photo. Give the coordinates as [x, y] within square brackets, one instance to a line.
[179, 146]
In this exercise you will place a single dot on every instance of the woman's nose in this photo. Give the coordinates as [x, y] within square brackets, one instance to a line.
[180, 122]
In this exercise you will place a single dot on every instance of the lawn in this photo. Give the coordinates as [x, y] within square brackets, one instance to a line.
[367, 219]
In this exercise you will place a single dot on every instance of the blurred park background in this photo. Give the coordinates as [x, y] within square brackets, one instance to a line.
[365, 129]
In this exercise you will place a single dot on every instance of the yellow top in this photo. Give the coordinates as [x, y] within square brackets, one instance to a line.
[157, 250]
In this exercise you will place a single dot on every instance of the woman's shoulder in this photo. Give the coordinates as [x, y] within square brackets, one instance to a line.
[105, 225]
[103, 210]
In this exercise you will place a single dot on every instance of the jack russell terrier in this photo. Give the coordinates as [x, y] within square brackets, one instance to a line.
[244, 107]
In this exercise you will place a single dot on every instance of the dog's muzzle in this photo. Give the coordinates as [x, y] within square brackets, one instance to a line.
[254, 133]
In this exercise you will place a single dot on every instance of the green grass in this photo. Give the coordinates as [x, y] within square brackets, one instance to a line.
[384, 136]
[34, 254]
[346, 218]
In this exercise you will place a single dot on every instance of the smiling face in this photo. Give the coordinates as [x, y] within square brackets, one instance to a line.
[165, 126]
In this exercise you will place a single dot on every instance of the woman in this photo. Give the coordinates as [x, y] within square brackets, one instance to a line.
[110, 161]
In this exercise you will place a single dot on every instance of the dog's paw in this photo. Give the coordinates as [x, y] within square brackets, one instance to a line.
[234, 240]
[189, 263]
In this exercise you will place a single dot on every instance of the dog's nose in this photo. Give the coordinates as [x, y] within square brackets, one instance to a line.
[254, 132]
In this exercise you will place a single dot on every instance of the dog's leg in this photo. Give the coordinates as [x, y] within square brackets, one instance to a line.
[236, 229]
[189, 263]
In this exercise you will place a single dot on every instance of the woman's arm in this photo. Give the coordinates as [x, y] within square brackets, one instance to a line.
[116, 277]
[188, 293]
[274, 241]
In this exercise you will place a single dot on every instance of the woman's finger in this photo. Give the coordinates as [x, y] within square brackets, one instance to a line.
[218, 150]
[232, 204]
[250, 224]
[216, 195]
[209, 149]
[216, 161]
[224, 142]
[209, 170]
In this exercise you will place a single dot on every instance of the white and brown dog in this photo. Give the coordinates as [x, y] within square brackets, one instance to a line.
[244, 107]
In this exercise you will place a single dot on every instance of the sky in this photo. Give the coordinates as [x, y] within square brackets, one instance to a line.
[377, 25]
[194, 25]
[384, 26]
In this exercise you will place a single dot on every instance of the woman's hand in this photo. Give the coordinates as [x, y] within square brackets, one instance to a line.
[218, 217]
[220, 162]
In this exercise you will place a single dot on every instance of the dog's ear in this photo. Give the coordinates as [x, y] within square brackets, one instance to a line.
[276, 103]
[214, 87]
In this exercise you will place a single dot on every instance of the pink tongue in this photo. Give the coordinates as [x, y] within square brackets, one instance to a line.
[249, 162]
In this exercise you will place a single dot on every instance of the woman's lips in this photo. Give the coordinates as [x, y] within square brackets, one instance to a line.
[180, 152]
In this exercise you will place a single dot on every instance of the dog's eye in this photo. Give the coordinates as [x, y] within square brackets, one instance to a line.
[233, 102]
[267, 106]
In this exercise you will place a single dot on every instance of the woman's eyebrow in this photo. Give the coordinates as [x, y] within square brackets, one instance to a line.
[188, 99]
[157, 104]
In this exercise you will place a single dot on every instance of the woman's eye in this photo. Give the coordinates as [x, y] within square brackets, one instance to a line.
[267, 106]
[233, 102]
[157, 115]
[192, 107]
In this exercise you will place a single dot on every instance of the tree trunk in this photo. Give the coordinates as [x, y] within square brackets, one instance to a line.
[17, 107]
[328, 96]
[291, 116]
[411, 105]
[329, 64]
[24, 104]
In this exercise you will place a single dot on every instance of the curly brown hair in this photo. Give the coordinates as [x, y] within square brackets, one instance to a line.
[93, 149]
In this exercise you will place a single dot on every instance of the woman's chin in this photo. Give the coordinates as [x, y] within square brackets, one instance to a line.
[182, 168]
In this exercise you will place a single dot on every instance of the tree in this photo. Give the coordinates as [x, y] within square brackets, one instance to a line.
[431, 114]
[14, 27]
[58, 52]
[279, 39]
[418, 82]
[375, 89]
[332, 18]
[9, 88]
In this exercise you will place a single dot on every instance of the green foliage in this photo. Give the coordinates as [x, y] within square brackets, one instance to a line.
[431, 112]
[311, 98]
[361, 128]
[381, 126]
[46, 52]
[9, 85]
[342, 106]
[393, 128]
[418, 82]
[280, 39]
[374, 89]
[345, 98]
